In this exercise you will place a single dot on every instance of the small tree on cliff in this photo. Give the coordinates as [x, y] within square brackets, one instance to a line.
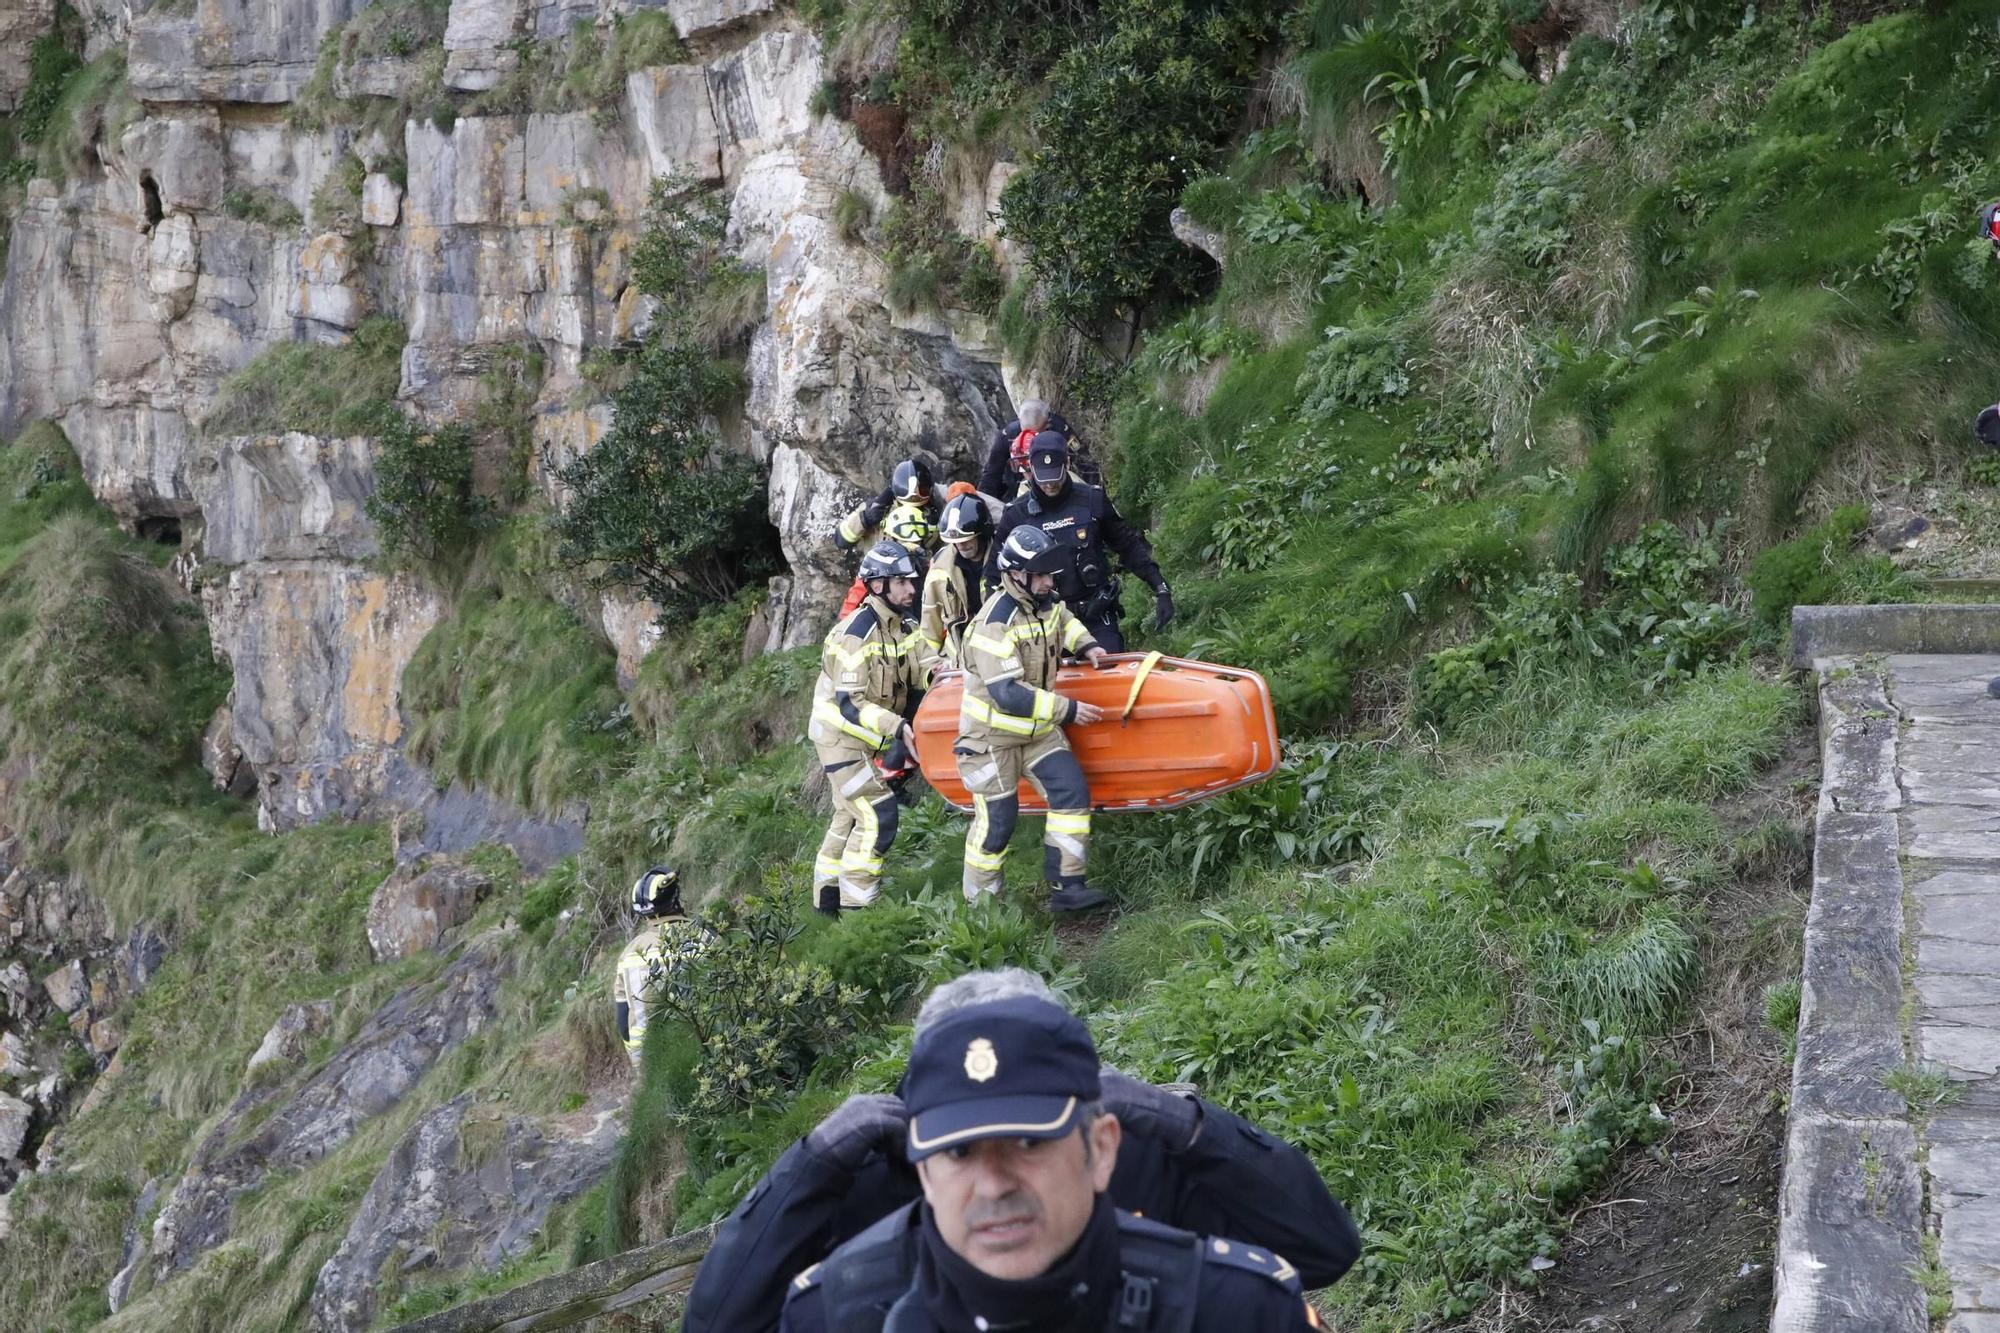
[658, 505]
[424, 506]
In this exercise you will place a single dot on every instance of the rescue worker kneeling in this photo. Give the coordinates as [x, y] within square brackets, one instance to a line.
[870, 673]
[1010, 724]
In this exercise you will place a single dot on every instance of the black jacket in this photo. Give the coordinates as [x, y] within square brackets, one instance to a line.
[1199, 1285]
[1233, 1180]
[997, 476]
[1083, 519]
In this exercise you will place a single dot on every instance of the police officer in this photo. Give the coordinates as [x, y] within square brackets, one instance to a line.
[1010, 724]
[909, 488]
[1081, 519]
[870, 672]
[1006, 468]
[1184, 1161]
[952, 586]
[1017, 1228]
[655, 951]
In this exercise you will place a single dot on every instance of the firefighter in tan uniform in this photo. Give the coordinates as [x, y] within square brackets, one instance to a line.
[873, 667]
[952, 587]
[648, 961]
[909, 490]
[1010, 723]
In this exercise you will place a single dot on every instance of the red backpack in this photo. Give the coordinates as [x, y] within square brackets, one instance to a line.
[1017, 452]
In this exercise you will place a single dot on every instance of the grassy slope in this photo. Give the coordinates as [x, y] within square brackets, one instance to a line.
[1436, 983]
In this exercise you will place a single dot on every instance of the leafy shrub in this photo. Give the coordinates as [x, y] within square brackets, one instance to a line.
[657, 505]
[1191, 342]
[1253, 534]
[1319, 809]
[1146, 101]
[1362, 367]
[762, 1015]
[1527, 222]
[423, 504]
[1447, 457]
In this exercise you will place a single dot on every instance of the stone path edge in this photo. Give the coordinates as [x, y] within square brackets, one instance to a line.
[1820, 632]
[1850, 1204]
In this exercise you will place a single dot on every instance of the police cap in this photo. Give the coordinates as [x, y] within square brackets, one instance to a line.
[1018, 1068]
[1048, 456]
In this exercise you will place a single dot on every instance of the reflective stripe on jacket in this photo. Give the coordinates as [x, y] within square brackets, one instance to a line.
[868, 669]
[1011, 656]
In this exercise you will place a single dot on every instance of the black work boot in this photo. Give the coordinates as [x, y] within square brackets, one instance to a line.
[829, 901]
[1076, 896]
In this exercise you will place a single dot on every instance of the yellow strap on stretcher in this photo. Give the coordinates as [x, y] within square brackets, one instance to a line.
[1145, 669]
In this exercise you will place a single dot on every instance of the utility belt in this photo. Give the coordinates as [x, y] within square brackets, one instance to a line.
[1097, 594]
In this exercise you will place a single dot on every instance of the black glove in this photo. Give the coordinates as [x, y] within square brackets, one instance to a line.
[864, 1124]
[841, 543]
[1163, 607]
[1165, 1117]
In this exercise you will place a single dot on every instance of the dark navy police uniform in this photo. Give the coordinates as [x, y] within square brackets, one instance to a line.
[1082, 519]
[1165, 1281]
[1223, 1177]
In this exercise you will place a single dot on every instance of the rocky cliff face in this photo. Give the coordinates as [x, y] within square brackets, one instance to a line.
[222, 218]
[131, 292]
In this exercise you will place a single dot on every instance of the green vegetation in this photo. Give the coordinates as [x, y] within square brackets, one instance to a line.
[1519, 417]
[334, 389]
[657, 505]
[1926, 1087]
[584, 72]
[100, 662]
[514, 695]
[423, 504]
[261, 206]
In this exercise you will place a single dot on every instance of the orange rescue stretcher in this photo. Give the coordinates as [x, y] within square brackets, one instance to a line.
[1175, 731]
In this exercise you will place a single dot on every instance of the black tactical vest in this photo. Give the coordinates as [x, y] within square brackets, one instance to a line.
[867, 1283]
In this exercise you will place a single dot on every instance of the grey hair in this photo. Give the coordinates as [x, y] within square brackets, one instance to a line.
[1034, 414]
[1002, 983]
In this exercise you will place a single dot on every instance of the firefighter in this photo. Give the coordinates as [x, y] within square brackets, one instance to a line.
[910, 527]
[668, 940]
[868, 683]
[1010, 723]
[1082, 522]
[909, 488]
[952, 587]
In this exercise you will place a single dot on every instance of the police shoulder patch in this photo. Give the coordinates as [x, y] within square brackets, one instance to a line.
[1258, 1259]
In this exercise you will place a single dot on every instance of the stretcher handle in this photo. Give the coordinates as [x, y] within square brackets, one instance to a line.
[1145, 669]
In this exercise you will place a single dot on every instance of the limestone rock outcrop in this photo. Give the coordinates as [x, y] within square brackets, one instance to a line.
[420, 904]
[286, 1040]
[369, 1075]
[469, 1186]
